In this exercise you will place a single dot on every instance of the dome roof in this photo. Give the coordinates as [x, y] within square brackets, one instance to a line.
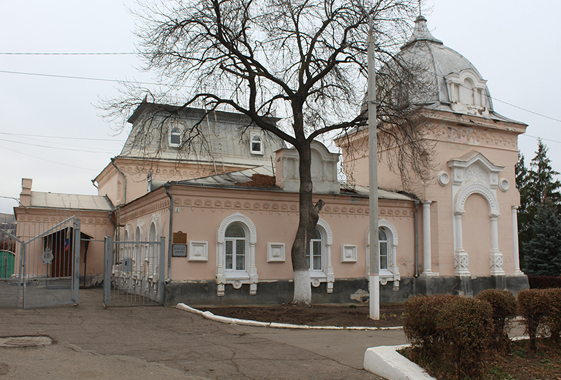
[454, 84]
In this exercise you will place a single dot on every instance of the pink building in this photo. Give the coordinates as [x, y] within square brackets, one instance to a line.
[228, 209]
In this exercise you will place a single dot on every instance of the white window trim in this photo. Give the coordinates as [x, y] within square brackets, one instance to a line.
[392, 273]
[326, 273]
[174, 145]
[251, 136]
[236, 278]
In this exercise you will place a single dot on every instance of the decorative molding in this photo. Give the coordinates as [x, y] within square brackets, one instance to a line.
[476, 188]
[198, 251]
[240, 218]
[329, 234]
[504, 184]
[443, 178]
[276, 253]
[348, 253]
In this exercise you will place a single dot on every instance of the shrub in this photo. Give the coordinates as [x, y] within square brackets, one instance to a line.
[552, 322]
[466, 325]
[534, 307]
[450, 332]
[544, 282]
[503, 305]
[420, 324]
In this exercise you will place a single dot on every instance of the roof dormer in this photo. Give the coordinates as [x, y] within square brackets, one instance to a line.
[468, 93]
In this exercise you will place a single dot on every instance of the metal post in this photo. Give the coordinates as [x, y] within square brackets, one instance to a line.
[107, 271]
[374, 278]
[76, 263]
[161, 271]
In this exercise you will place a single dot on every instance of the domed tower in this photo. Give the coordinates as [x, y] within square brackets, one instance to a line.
[467, 204]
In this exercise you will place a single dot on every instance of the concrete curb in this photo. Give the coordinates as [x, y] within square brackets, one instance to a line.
[385, 361]
[246, 322]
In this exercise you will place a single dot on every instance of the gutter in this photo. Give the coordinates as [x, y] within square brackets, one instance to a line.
[416, 227]
[123, 174]
[167, 186]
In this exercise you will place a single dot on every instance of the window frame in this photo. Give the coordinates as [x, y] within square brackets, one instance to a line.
[258, 135]
[172, 133]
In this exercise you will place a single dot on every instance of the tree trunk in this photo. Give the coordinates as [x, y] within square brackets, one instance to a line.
[308, 218]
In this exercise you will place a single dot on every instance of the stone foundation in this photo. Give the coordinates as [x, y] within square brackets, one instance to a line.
[345, 291]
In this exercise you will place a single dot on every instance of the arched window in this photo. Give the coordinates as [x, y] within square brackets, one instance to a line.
[235, 254]
[383, 244]
[235, 249]
[314, 255]
[175, 137]
[387, 244]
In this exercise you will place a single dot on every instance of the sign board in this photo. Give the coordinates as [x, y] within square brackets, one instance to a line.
[179, 238]
[179, 250]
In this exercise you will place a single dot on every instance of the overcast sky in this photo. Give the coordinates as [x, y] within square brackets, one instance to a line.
[51, 131]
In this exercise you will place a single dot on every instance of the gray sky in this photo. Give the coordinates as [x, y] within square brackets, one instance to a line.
[51, 131]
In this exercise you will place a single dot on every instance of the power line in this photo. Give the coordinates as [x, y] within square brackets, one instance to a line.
[59, 137]
[85, 53]
[45, 160]
[56, 147]
[537, 137]
[187, 86]
[73, 77]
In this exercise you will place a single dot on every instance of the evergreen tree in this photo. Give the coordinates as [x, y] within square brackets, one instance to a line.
[524, 217]
[539, 194]
[543, 249]
[542, 183]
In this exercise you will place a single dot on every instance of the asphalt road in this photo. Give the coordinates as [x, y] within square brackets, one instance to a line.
[90, 342]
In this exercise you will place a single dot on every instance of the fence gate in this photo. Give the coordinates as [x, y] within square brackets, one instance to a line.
[46, 265]
[133, 273]
[10, 270]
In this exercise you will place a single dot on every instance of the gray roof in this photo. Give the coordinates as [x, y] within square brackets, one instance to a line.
[70, 201]
[429, 54]
[244, 176]
[217, 138]
[231, 179]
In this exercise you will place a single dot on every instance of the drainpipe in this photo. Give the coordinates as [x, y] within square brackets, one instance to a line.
[167, 185]
[123, 174]
[416, 239]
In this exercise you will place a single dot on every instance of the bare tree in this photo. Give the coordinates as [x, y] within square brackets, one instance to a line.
[302, 60]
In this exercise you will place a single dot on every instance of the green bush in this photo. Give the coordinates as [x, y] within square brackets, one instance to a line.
[503, 304]
[449, 334]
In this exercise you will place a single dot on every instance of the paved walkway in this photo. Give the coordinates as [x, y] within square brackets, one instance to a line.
[157, 342]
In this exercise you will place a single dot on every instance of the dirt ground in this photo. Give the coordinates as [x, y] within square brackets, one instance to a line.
[315, 315]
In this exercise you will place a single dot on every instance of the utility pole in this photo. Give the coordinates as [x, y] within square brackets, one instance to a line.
[374, 277]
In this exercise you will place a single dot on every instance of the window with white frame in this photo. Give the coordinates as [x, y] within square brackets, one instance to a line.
[175, 137]
[235, 248]
[235, 254]
[383, 246]
[314, 255]
[255, 143]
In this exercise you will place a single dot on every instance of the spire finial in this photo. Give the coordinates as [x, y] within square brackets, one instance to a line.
[420, 8]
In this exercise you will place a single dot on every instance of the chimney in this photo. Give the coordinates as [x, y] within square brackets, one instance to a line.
[25, 196]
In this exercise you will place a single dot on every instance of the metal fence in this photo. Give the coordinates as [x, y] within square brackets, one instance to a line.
[133, 273]
[46, 268]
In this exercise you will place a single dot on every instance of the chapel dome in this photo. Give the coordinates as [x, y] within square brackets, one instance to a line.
[453, 83]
